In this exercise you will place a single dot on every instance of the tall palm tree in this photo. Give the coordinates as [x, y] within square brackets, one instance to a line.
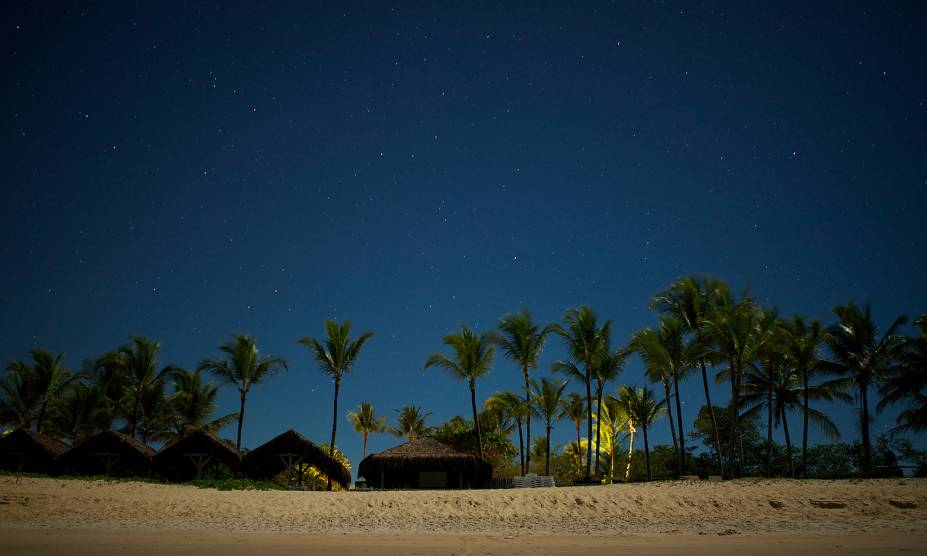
[522, 341]
[473, 355]
[193, 403]
[137, 365]
[243, 368]
[546, 405]
[770, 348]
[48, 378]
[908, 384]
[411, 422]
[335, 357]
[802, 346]
[689, 300]
[574, 409]
[80, 412]
[366, 422]
[668, 358]
[642, 409]
[513, 405]
[584, 338]
[862, 357]
[614, 421]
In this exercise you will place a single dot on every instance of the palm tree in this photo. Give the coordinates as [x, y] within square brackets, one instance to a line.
[411, 422]
[574, 409]
[137, 365]
[546, 405]
[908, 384]
[614, 421]
[788, 394]
[335, 358]
[642, 409]
[608, 368]
[366, 422]
[473, 355]
[243, 368]
[79, 412]
[522, 341]
[688, 299]
[512, 404]
[861, 357]
[19, 397]
[193, 403]
[771, 339]
[667, 358]
[584, 339]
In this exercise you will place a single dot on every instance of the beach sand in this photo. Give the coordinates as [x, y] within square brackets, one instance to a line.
[52, 516]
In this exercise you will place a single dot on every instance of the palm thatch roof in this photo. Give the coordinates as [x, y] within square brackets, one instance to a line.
[109, 453]
[25, 450]
[424, 454]
[267, 460]
[185, 458]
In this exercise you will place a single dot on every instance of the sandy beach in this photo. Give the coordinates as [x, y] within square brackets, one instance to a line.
[746, 516]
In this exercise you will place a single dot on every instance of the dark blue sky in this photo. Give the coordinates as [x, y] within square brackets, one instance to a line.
[187, 172]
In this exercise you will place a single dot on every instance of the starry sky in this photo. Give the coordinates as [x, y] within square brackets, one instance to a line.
[187, 171]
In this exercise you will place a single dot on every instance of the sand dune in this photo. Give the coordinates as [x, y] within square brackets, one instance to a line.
[863, 510]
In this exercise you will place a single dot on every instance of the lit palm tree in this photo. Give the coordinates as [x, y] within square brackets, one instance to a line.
[574, 409]
[522, 341]
[513, 405]
[689, 300]
[608, 368]
[613, 422]
[584, 339]
[244, 368]
[642, 409]
[908, 384]
[335, 357]
[473, 355]
[668, 359]
[366, 422]
[137, 365]
[411, 422]
[193, 403]
[546, 405]
[861, 357]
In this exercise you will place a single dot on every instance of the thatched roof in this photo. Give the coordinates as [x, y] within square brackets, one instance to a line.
[25, 450]
[264, 462]
[425, 454]
[134, 456]
[172, 460]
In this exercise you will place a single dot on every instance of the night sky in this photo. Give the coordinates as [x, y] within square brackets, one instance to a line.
[187, 172]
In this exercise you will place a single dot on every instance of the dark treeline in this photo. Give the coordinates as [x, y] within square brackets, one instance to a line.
[775, 367]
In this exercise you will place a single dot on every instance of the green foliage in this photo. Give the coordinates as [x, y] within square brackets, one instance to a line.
[498, 450]
[234, 484]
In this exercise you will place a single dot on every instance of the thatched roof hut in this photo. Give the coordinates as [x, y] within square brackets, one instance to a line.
[424, 463]
[108, 453]
[24, 450]
[283, 452]
[188, 457]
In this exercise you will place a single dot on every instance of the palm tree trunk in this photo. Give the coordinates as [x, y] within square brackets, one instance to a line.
[598, 428]
[788, 442]
[647, 455]
[476, 419]
[527, 454]
[682, 436]
[735, 455]
[714, 422]
[241, 418]
[579, 457]
[138, 402]
[331, 447]
[769, 424]
[38, 426]
[364, 451]
[547, 454]
[521, 447]
[804, 426]
[864, 428]
[669, 413]
[589, 424]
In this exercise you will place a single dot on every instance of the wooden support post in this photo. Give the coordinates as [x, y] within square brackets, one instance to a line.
[108, 459]
[199, 461]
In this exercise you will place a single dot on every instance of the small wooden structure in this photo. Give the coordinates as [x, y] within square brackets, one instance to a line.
[24, 450]
[108, 453]
[290, 452]
[425, 463]
[195, 454]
